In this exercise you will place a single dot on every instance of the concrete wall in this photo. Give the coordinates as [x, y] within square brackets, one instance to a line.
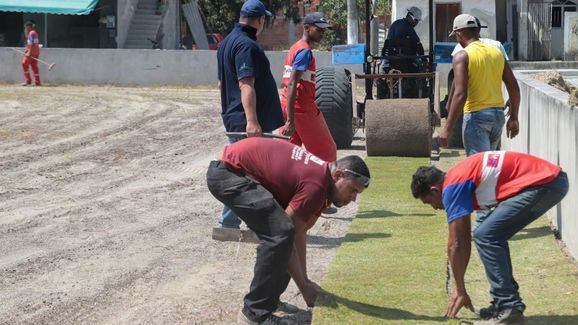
[135, 67]
[549, 129]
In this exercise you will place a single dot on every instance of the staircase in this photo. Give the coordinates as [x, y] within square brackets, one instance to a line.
[145, 24]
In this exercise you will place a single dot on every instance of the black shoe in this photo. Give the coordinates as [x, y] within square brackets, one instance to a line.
[488, 312]
[330, 210]
[505, 317]
[271, 320]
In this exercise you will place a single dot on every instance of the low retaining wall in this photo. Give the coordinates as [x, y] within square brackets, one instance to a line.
[135, 67]
[549, 129]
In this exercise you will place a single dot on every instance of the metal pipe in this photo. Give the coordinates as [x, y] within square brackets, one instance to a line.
[367, 70]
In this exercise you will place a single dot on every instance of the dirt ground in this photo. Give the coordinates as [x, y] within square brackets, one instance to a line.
[104, 213]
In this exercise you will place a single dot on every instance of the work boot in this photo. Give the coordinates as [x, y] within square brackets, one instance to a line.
[271, 320]
[285, 308]
[505, 317]
[330, 210]
[488, 312]
[226, 234]
[235, 234]
[249, 236]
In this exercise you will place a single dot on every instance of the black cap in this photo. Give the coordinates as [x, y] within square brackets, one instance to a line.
[317, 19]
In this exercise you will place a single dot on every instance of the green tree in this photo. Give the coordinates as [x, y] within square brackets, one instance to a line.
[221, 15]
[336, 11]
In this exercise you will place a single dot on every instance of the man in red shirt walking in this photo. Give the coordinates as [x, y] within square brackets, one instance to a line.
[516, 189]
[304, 122]
[31, 54]
[279, 190]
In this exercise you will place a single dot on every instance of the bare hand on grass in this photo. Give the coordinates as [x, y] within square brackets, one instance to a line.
[456, 301]
[310, 293]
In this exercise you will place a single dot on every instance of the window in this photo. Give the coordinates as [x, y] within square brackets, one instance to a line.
[445, 14]
[557, 17]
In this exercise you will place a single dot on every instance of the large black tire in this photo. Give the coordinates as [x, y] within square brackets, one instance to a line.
[333, 97]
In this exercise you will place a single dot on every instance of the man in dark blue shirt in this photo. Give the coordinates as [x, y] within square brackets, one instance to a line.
[402, 35]
[249, 94]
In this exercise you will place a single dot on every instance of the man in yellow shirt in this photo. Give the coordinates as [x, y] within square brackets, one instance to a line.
[478, 74]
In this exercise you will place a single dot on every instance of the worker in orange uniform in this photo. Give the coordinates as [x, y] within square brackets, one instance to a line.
[303, 120]
[31, 54]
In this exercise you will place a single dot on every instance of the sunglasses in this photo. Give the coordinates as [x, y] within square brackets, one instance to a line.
[364, 179]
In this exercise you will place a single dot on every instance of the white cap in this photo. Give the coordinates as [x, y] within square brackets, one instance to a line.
[465, 21]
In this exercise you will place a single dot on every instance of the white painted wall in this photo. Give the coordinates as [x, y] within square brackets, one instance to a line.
[549, 129]
[136, 67]
[570, 36]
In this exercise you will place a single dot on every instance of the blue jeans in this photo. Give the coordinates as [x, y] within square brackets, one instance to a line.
[229, 219]
[482, 130]
[493, 231]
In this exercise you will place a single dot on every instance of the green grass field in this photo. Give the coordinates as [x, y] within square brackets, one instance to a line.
[391, 267]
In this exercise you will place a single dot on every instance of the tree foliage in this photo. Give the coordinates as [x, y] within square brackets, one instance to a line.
[336, 11]
[221, 15]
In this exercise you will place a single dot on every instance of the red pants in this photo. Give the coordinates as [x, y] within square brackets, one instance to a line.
[312, 132]
[29, 61]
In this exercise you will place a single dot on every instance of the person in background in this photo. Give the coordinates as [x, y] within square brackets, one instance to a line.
[479, 70]
[304, 123]
[31, 54]
[249, 95]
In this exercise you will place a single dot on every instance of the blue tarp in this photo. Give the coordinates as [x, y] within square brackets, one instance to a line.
[61, 7]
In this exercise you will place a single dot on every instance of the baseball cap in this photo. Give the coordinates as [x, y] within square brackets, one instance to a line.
[465, 21]
[254, 8]
[411, 14]
[317, 19]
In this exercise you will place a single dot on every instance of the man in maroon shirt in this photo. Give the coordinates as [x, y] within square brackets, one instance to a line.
[279, 190]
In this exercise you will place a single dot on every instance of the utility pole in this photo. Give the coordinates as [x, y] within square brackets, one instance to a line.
[352, 28]
[374, 21]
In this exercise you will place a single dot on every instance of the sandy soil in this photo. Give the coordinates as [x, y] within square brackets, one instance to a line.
[104, 213]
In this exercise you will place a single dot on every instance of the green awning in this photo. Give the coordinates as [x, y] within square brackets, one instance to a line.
[61, 7]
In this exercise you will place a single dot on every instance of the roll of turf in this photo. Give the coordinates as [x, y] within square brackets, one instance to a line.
[398, 127]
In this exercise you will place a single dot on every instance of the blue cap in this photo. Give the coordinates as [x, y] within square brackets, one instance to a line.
[254, 8]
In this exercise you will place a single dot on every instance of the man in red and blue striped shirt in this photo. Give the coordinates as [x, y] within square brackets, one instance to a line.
[516, 189]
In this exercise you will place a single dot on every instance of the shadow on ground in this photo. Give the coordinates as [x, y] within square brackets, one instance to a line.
[332, 301]
[533, 233]
[357, 147]
[336, 241]
[384, 214]
[540, 320]
[449, 153]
